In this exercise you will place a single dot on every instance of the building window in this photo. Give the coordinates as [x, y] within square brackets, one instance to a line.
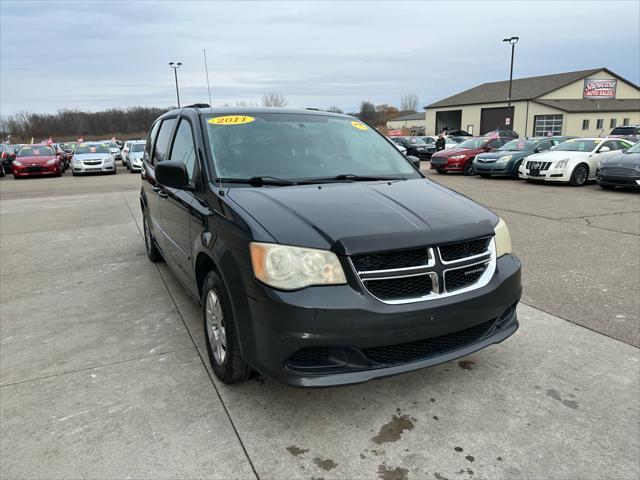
[543, 124]
[626, 122]
[585, 124]
[612, 123]
[600, 123]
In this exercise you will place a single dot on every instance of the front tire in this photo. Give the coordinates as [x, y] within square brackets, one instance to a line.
[150, 244]
[220, 332]
[579, 176]
[468, 168]
[516, 168]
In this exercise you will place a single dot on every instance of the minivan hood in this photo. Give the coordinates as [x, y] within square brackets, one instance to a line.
[365, 216]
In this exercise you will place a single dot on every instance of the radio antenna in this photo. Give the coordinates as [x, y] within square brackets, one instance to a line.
[206, 71]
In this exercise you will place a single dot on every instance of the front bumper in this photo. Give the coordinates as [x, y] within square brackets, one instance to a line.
[31, 171]
[353, 331]
[448, 165]
[493, 168]
[619, 180]
[80, 168]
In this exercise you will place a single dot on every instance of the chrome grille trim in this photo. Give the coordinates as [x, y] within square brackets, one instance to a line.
[436, 270]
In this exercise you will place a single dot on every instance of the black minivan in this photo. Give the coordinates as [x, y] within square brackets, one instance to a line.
[319, 253]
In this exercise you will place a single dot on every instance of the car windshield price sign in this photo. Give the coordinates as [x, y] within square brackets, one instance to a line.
[594, 88]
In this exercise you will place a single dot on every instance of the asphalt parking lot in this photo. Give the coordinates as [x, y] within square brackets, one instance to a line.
[103, 372]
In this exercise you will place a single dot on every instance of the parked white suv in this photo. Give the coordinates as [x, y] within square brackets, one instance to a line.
[574, 161]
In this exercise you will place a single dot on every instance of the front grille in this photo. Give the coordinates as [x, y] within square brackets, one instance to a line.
[456, 251]
[35, 169]
[463, 277]
[541, 165]
[621, 171]
[412, 351]
[390, 260]
[92, 162]
[401, 287]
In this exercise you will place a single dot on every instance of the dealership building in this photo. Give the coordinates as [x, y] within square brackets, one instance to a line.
[583, 103]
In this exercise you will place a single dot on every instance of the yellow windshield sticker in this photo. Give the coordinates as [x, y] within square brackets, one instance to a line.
[359, 126]
[231, 120]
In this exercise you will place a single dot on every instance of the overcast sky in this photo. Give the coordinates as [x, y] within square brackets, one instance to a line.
[95, 55]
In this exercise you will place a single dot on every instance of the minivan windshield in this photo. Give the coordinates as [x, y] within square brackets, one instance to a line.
[298, 147]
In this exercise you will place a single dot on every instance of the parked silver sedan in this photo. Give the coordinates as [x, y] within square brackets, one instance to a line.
[93, 157]
[134, 156]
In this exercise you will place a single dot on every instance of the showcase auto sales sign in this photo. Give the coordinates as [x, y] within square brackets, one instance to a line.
[599, 88]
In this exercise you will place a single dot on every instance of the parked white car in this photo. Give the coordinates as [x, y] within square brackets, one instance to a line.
[93, 157]
[448, 141]
[399, 147]
[134, 155]
[574, 161]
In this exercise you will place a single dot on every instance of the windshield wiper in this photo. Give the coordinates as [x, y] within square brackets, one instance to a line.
[258, 181]
[350, 177]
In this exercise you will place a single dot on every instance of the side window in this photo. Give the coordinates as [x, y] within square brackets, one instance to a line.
[161, 148]
[612, 145]
[183, 149]
[545, 145]
[150, 142]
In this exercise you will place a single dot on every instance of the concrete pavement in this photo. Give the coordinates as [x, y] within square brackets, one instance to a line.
[102, 372]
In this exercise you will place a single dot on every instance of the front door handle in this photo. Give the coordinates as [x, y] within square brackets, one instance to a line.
[161, 193]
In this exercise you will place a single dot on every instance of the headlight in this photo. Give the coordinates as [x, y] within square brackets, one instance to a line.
[291, 268]
[502, 238]
[457, 157]
[51, 162]
[16, 162]
[561, 163]
[504, 159]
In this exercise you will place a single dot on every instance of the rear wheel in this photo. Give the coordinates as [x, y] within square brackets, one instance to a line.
[220, 332]
[579, 175]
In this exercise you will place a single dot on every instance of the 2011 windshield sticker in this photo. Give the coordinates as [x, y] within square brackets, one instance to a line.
[360, 126]
[231, 120]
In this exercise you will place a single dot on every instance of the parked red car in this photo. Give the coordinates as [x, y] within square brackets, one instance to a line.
[37, 160]
[460, 158]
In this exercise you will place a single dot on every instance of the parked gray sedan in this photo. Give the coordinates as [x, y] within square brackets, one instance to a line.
[93, 157]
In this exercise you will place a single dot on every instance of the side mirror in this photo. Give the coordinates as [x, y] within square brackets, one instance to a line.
[415, 161]
[604, 149]
[172, 174]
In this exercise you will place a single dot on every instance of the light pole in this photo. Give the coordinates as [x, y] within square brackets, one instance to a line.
[512, 41]
[175, 67]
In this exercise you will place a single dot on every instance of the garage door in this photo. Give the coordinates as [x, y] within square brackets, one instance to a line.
[492, 118]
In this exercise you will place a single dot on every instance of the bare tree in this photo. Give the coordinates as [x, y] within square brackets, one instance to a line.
[274, 99]
[368, 112]
[245, 103]
[334, 109]
[409, 103]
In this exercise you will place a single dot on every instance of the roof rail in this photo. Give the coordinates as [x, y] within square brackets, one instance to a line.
[198, 105]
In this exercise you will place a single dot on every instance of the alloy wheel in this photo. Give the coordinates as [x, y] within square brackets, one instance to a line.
[215, 327]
